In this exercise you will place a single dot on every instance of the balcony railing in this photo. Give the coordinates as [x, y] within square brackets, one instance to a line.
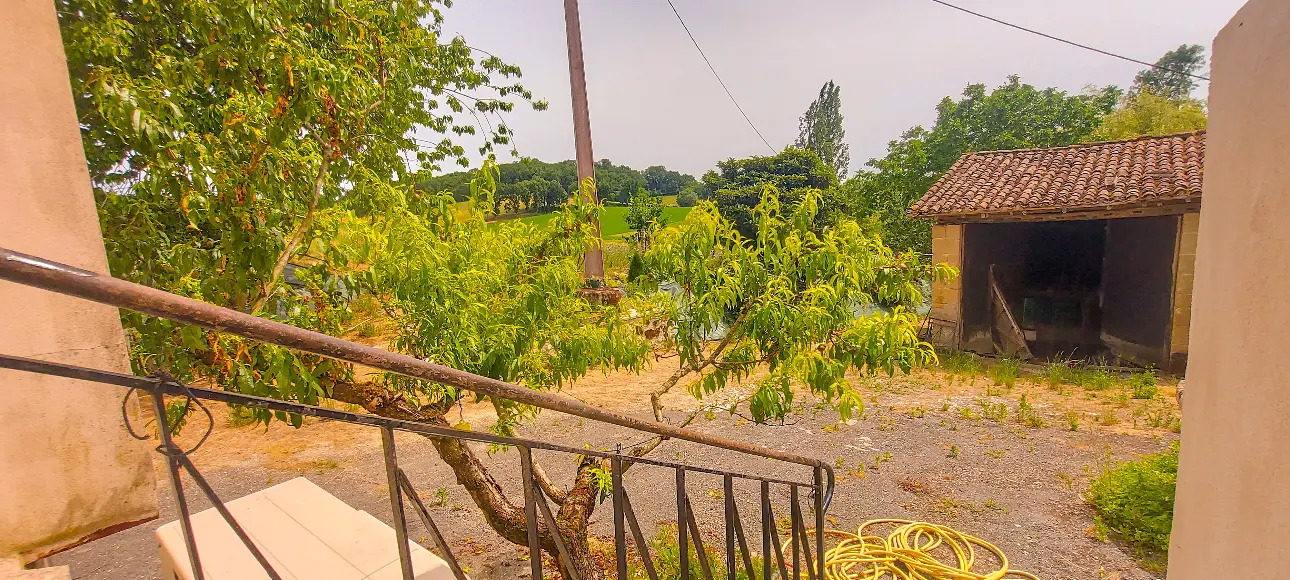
[784, 558]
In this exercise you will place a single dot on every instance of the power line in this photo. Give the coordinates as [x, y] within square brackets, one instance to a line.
[714, 73]
[1075, 44]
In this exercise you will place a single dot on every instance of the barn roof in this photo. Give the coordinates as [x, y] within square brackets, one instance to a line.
[1156, 172]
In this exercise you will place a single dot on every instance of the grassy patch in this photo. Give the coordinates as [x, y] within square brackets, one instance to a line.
[962, 363]
[613, 220]
[1135, 503]
[1005, 372]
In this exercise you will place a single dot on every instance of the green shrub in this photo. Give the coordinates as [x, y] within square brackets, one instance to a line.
[962, 363]
[1143, 385]
[665, 553]
[687, 198]
[1005, 371]
[635, 268]
[1135, 501]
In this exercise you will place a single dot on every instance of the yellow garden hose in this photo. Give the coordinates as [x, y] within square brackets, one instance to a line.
[907, 554]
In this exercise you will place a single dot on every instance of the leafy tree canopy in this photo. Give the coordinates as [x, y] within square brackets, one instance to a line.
[1171, 77]
[227, 140]
[645, 216]
[820, 130]
[660, 180]
[615, 183]
[1014, 115]
[737, 184]
[1147, 113]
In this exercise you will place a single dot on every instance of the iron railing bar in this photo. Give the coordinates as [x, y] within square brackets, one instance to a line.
[744, 552]
[219, 506]
[150, 384]
[698, 540]
[396, 501]
[795, 518]
[806, 548]
[766, 522]
[428, 522]
[65, 279]
[620, 515]
[820, 505]
[682, 533]
[530, 513]
[728, 492]
[641, 546]
[177, 486]
[540, 498]
[774, 533]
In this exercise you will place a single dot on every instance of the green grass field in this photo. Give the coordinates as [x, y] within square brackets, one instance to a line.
[613, 220]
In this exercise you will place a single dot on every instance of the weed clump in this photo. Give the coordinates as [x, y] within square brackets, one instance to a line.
[1005, 372]
[1135, 502]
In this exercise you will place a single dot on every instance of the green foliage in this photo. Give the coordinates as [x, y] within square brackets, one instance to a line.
[1027, 416]
[688, 197]
[1012, 116]
[1005, 371]
[962, 362]
[227, 140]
[1143, 385]
[1135, 500]
[1170, 77]
[613, 220]
[820, 130]
[660, 180]
[787, 299]
[737, 187]
[1146, 113]
[665, 552]
[617, 183]
[644, 217]
[495, 299]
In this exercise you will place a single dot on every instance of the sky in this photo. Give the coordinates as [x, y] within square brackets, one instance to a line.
[653, 101]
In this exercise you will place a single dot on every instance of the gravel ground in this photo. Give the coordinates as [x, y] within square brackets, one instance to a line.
[922, 458]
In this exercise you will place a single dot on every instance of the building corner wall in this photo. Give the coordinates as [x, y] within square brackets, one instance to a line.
[1184, 282]
[68, 469]
[1232, 512]
[947, 296]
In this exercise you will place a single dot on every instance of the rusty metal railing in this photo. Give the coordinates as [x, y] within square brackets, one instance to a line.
[56, 277]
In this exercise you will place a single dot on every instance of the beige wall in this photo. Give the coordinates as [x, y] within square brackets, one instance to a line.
[1232, 517]
[947, 247]
[67, 467]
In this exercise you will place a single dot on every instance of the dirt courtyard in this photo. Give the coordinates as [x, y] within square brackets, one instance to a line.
[931, 446]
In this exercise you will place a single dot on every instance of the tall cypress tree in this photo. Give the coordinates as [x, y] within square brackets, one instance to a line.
[820, 130]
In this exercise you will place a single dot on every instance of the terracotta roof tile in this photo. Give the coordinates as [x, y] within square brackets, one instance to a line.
[1090, 176]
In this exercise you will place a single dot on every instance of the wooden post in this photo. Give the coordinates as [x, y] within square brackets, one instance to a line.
[593, 263]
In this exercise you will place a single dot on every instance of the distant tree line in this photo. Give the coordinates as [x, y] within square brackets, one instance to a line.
[530, 185]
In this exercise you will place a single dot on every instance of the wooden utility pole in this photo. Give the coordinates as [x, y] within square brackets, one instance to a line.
[593, 267]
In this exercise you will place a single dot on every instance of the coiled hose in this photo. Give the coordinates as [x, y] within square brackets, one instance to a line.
[907, 554]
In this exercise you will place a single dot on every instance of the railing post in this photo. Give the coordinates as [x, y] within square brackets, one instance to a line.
[728, 490]
[819, 521]
[766, 522]
[396, 501]
[176, 485]
[794, 522]
[620, 531]
[682, 519]
[530, 513]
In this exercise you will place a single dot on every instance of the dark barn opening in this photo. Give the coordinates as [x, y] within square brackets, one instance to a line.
[1072, 288]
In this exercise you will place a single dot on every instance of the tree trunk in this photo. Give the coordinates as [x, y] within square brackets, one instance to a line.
[504, 516]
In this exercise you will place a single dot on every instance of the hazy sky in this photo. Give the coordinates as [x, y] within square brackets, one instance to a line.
[653, 101]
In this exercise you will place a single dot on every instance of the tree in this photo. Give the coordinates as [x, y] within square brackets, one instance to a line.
[644, 217]
[689, 196]
[1173, 75]
[785, 299]
[617, 182]
[739, 185]
[1147, 113]
[1012, 116]
[820, 130]
[660, 180]
[228, 142]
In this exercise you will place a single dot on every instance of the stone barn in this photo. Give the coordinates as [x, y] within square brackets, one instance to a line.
[1078, 251]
